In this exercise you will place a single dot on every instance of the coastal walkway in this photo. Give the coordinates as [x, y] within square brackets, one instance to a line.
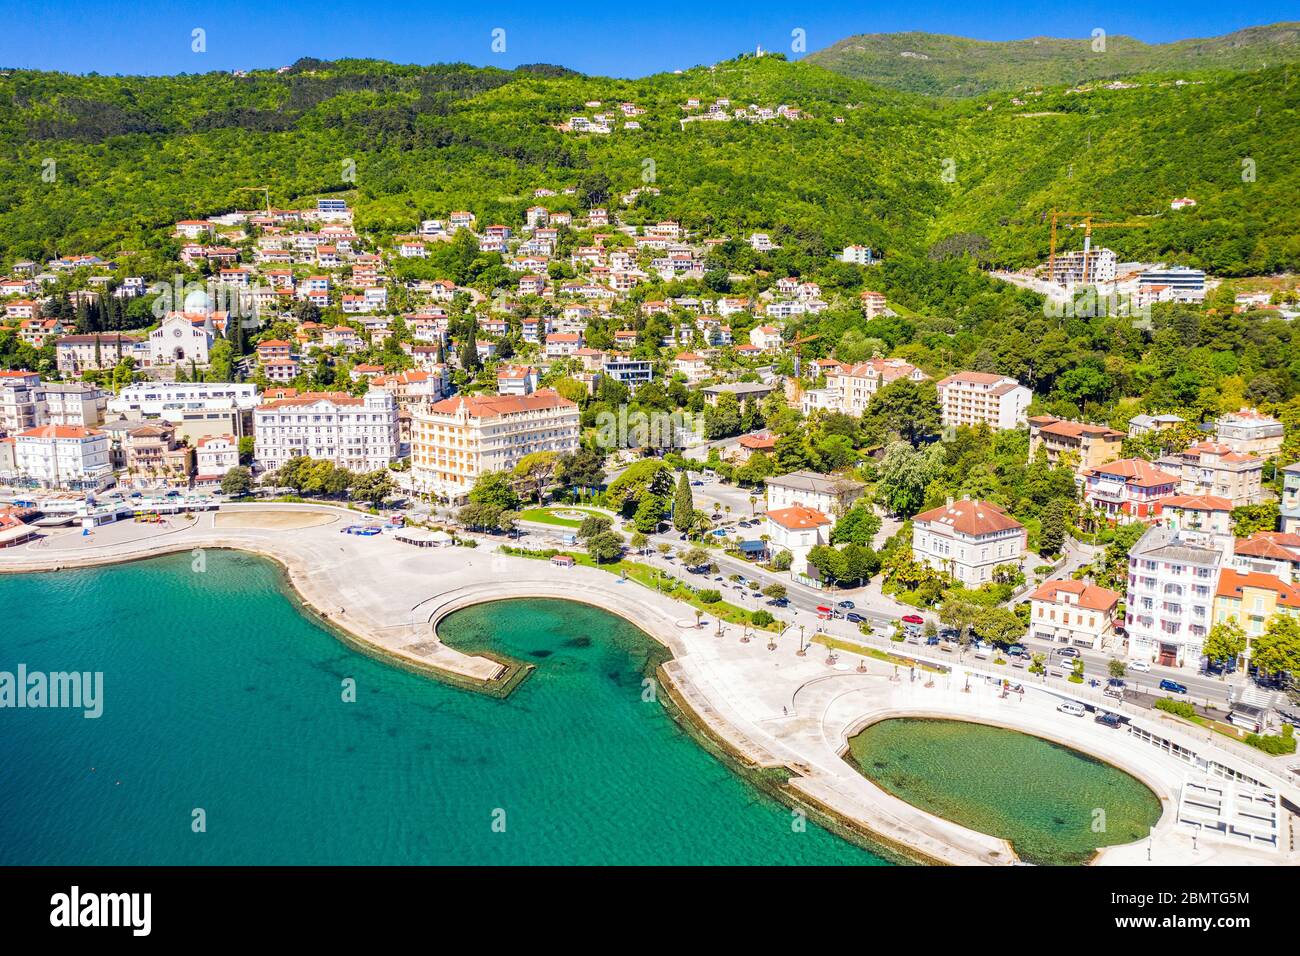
[769, 707]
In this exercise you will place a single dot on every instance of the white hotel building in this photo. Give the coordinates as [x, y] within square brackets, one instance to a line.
[971, 398]
[1172, 578]
[231, 403]
[967, 539]
[455, 441]
[360, 434]
[63, 456]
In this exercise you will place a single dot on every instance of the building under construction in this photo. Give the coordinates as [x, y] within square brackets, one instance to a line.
[1084, 267]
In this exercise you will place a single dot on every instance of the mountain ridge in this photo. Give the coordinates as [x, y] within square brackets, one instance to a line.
[949, 65]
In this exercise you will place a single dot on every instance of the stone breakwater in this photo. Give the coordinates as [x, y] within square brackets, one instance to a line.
[772, 711]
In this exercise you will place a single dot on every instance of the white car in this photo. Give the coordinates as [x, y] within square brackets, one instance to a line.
[1071, 708]
[1142, 667]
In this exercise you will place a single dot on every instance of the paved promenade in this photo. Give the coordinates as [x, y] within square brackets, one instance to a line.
[771, 707]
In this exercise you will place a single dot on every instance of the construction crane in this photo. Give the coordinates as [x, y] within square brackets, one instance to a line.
[797, 345]
[1088, 225]
[264, 189]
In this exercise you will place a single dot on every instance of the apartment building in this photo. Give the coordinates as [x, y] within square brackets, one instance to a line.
[360, 434]
[1249, 599]
[1073, 613]
[1268, 552]
[63, 456]
[631, 372]
[1169, 606]
[797, 530]
[22, 402]
[75, 354]
[694, 367]
[197, 409]
[1084, 446]
[830, 494]
[1147, 424]
[154, 456]
[967, 539]
[214, 456]
[75, 403]
[851, 387]
[1130, 489]
[1184, 284]
[516, 379]
[1250, 432]
[973, 398]
[1204, 513]
[457, 440]
[1212, 468]
[1290, 504]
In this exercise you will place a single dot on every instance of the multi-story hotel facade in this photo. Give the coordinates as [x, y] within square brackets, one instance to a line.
[972, 398]
[457, 440]
[360, 434]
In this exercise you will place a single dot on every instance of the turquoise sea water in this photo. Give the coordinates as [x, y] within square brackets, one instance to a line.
[1055, 805]
[219, 694]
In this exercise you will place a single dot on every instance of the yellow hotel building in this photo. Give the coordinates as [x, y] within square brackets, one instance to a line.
[1250, 599]
[457, 440]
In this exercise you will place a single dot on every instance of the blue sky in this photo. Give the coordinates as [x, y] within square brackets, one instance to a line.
[608, 37]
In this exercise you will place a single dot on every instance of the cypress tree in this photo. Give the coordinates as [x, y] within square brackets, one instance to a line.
[683, 504]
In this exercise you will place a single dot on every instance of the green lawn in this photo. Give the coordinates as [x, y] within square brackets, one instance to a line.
[544, 516]
[647, 576]
[840, 644]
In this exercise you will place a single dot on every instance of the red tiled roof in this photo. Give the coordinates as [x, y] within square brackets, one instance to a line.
[1197, 503]
[1138, 471]
[1232, 584]
[59, 431]
[491, 406]
[970, 517]
[1087, 595]
[798, 518]
[308, 398]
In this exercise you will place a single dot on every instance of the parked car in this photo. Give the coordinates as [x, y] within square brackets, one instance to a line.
[932, 640]
[1142, 667]
[1071, 708]
[913, 619]
[949, 634]
[779, 602]
[1173, 686]
[853, 617]
[1110, 720]
[1068, 652]
[1017, 650]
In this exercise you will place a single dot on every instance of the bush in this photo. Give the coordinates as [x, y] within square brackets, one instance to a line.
[1273, 744]
[1179, 708]
[762, 618]
[710, 595]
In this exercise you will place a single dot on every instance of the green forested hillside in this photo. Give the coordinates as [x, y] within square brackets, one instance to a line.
[901, 172]
[957, 66]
